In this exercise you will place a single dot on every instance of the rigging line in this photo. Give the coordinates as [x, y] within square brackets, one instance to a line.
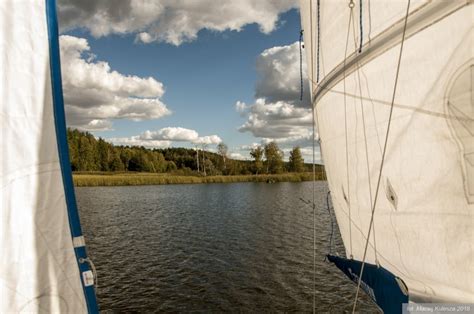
[314, 168]
[332, 224]
[383, 155]
[345, 127]
[360, 26]
[301, 65]
[365, 146]
[314, 214]
[370, 22]
[319, 39]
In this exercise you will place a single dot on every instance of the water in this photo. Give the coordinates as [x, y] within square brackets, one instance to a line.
[244, 247]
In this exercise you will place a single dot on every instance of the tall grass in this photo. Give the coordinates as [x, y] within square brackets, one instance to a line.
[117, 179]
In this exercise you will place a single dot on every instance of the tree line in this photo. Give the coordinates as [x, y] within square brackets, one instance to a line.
[88, 153]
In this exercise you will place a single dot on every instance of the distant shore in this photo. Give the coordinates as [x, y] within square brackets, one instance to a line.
[143, 178]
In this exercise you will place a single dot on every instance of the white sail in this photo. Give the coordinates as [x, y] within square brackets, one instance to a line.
[41, 269]
[424, 218]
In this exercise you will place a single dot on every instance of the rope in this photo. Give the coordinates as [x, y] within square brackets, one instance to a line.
[383, 156]
[314, 213]
[93, 269]
[301, 65]
[314, 167]
[332, 223]
[345, 127]
[319, 41]
[361, 26]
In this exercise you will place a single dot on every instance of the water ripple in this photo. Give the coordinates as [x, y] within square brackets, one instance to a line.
[244, 247]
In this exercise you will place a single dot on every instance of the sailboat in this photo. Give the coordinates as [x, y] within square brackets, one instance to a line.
[392, 98]
[44, 267]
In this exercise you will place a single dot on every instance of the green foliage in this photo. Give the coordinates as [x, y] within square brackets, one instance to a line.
[296, 161]
[89, 154]
[273, 158]
[257, 155]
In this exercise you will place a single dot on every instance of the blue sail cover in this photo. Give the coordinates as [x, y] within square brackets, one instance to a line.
[43, 261]
[387, 290]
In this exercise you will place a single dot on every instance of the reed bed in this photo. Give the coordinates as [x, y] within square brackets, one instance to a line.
[120, 179]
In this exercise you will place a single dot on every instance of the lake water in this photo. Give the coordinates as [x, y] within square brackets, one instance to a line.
[244, 247]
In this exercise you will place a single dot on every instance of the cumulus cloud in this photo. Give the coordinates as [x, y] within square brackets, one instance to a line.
[278, 69]
[249, 147]
[240, 107]
[136, 141]
[238, 156]
[165, 137]
[171, 134]
[94, 93]
[208, 140]
[171, 21]
[278, 114]
[278, 121]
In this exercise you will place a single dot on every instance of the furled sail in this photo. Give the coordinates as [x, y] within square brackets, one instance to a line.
[423, 221]
[43, 262]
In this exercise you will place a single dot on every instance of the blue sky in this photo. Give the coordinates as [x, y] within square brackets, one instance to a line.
[202, 78]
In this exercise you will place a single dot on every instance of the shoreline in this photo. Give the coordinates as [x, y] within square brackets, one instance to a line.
[129, 179]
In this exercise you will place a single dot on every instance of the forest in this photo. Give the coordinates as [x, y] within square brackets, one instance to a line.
[91, 154]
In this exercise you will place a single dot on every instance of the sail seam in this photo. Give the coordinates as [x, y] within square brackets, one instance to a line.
[420, 19]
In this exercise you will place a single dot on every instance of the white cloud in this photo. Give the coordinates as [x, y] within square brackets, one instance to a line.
[278, 114]
[136, 141]
[249, 147]
[172, 21]
[241, 107]
[238, 156]
[171, 134]
[277, 121]
[208, 140]
[165, 137]
[94, 93]
[97, 125]
[278, 69]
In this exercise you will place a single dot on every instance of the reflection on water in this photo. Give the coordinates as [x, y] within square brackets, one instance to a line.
[242, 247]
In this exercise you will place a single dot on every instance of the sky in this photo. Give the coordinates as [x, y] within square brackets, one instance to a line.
[186, 73]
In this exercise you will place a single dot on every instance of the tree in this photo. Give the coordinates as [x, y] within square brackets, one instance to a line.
[257, 155]
[116, 163]
[273, 158]
[222, 150]
[125, 155]
[197, 158]
[296, 161]
[204, 146]
[73, 140]
[103, 154]
[86, 155]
